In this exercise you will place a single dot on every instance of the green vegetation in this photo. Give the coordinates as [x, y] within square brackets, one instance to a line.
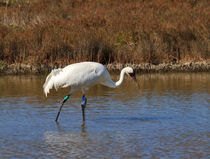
[59, 32]
[3, 66]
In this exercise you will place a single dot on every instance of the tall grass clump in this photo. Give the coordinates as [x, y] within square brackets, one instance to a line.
[60, 32]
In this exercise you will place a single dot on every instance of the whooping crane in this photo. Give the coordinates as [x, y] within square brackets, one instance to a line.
[82, 76]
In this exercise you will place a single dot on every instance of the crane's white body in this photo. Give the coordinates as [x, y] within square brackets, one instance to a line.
[82, 76]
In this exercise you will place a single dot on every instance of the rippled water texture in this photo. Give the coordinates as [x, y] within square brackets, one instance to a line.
[168, 118]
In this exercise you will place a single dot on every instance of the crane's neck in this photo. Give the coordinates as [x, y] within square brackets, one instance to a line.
[109, 83]
[119, 82]
[113, 84]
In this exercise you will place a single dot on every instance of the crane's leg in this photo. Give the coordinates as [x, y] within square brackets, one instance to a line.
[83, 105]
[64, 100]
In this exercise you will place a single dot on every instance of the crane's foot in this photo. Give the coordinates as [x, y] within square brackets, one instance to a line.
[83, 105]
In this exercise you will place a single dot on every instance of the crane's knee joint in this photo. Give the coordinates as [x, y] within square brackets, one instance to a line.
[65, 98]
[84, 101]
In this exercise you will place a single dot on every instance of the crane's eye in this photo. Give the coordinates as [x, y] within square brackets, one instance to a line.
[132, 74]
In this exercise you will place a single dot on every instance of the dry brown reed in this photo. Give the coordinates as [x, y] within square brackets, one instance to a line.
[122, 31]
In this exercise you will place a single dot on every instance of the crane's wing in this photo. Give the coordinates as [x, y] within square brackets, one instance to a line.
[83, 74]
[50, 81]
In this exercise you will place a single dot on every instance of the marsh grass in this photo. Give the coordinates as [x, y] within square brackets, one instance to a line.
[122, 31]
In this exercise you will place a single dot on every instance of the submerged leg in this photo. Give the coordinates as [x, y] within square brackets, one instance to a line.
[83, 105]
[64, 100]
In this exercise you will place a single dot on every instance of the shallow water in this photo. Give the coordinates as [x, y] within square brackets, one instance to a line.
[167, 118]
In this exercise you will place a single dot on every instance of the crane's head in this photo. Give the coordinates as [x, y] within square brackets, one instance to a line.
[130, 71]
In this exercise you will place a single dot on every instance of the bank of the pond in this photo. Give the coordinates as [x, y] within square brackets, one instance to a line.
[142, 67]
[165, 67]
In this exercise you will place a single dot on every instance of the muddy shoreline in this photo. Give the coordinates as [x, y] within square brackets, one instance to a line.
[143, 68]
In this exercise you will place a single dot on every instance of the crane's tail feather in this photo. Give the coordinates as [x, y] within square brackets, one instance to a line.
[49, 83]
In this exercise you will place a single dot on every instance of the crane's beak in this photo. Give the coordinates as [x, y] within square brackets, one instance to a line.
[133, 76]
[135, 80]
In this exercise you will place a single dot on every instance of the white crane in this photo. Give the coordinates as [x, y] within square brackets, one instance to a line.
[82, 76]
